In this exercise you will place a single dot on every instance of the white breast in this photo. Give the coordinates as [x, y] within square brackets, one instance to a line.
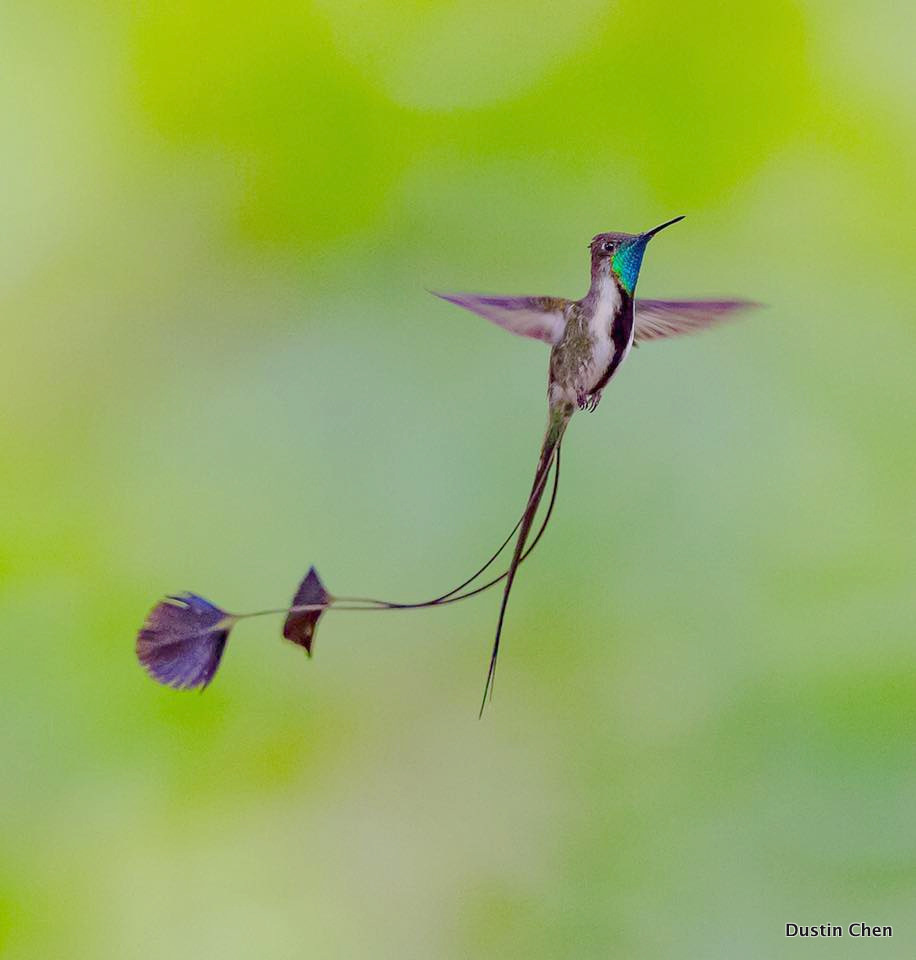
[600, 330]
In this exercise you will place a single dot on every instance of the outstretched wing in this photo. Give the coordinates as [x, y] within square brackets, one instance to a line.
[541, 318]
[670, 318]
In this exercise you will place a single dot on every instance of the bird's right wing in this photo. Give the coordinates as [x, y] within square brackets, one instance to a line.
[541, 318]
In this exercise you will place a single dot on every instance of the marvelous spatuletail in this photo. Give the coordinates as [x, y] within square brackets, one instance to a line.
[182, 641]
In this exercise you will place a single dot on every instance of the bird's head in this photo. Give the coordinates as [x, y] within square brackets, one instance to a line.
[620, 254]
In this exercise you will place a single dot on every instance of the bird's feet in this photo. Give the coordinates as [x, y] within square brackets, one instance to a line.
[589, 401]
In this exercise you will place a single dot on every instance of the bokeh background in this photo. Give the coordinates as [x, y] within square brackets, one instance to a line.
[219, 365]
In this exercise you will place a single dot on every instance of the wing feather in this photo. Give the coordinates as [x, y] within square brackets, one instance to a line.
[541, 318]
[671, 318]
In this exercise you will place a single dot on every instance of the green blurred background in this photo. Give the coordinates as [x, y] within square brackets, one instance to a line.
[220, 365]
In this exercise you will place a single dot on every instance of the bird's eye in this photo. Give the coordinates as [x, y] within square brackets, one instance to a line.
[608, 246]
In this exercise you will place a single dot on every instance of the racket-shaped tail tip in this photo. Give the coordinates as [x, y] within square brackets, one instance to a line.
[301, 624]
[182, 641]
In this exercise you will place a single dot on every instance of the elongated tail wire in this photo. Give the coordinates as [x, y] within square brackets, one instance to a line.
[183, 637]
[160, 637]
[450, 597]
[366, 604]
[559, 419]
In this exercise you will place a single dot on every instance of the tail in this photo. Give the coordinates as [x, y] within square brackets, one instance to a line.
[556, 427]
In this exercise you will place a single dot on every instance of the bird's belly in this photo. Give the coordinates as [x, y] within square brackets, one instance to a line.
[578, 376]
[600, 360]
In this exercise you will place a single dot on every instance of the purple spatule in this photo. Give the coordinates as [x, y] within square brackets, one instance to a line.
[300, 624]
[182, 641]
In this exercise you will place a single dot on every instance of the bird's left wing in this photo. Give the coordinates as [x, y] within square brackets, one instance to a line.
[541, 318]
[671, 318]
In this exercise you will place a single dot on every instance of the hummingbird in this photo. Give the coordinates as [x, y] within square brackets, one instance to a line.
[182, 640]
[589, 339]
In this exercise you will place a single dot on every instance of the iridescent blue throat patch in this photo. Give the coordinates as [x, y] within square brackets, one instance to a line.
[627, 261]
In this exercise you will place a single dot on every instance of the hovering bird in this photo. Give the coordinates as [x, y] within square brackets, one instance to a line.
[589, 339]
[182, 641]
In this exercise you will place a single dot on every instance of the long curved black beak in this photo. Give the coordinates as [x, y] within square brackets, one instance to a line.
[651, 233]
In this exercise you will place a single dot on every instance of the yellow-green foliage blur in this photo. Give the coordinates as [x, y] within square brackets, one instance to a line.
[219, 364]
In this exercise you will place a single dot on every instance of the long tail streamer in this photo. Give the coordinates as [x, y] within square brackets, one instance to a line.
[182, 641]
